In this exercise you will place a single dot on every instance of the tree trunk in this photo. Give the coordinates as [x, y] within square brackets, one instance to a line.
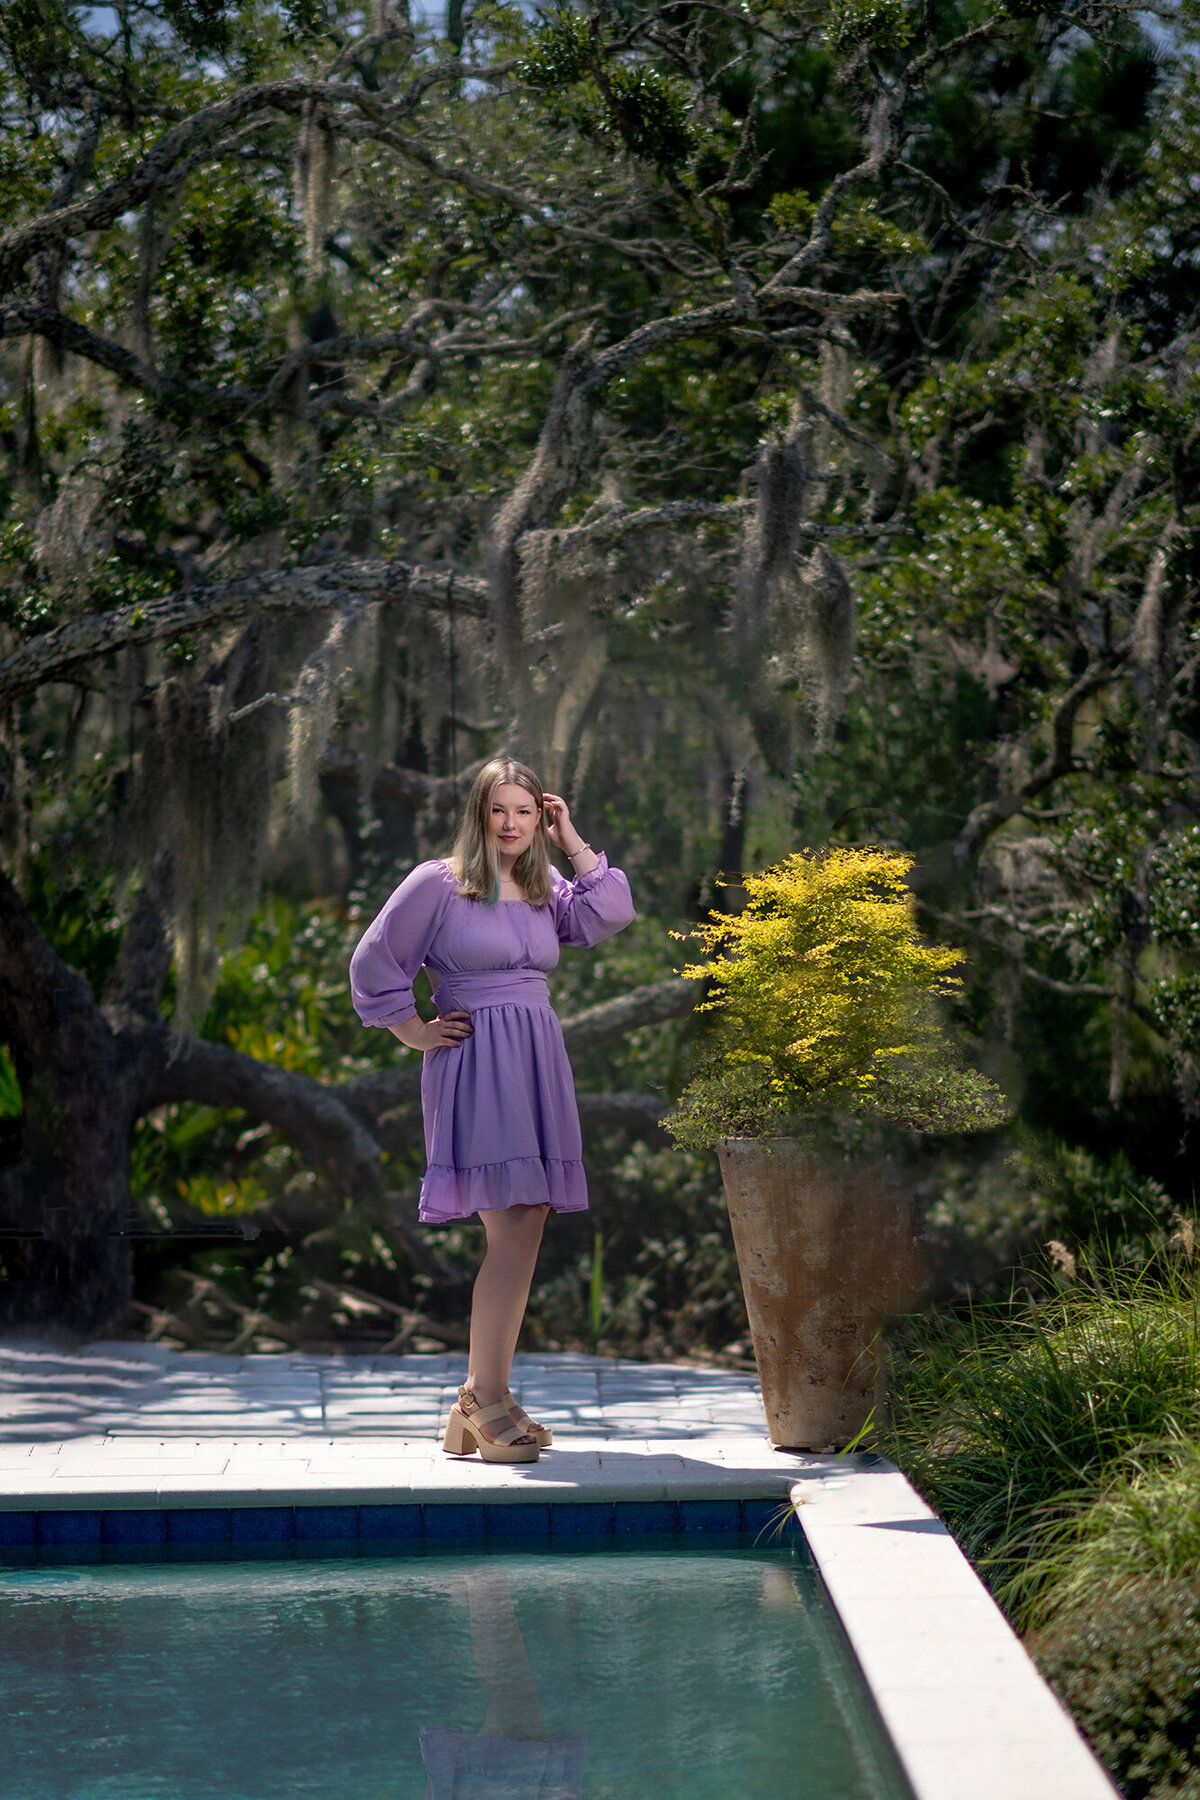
[67, 1266]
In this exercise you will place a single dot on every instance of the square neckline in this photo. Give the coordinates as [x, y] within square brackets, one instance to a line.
[499, 901]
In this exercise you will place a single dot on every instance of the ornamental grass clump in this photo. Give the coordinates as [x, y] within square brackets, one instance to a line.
[1050, 1434]
[826, 1000]
[1145, 1527]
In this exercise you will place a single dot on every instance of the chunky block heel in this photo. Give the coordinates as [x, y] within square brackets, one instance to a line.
[455, 1441]
[464, 1436]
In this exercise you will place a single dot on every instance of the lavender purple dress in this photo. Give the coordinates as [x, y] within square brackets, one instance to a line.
[501, 1124]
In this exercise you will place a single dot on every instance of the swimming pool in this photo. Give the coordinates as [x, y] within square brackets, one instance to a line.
[669, 1670]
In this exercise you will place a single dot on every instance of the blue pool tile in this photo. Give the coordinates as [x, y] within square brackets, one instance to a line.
[262, 1524]
[389, 1522]
[18, 1556]
[530, 1519]
[135, 1528]
[135, 1553]
[710, 1515]
[63, 1529]
[198, 1525]
[18, 1528]
[466, 1521]
[646, 1515]
[767, 1518]
[198, 1553]
[66, 1555]
[324, 1522]
[583, 1518]
[255, 1550]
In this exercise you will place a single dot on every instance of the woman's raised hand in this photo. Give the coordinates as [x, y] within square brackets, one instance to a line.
[561, 832]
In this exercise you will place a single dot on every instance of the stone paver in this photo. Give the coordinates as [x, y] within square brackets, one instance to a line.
[118, 1389]
[135, 1426]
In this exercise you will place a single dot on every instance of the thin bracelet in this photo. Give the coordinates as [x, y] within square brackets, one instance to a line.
[572, 854]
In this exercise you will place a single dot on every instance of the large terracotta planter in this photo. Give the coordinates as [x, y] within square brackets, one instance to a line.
[827, 1250]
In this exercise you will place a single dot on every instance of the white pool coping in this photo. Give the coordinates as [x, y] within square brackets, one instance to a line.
[124, 1427]
[966, 1709]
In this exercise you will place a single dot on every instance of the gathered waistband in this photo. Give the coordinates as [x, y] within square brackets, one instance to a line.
[471, 992]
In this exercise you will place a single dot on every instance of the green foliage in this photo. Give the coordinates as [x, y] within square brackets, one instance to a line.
[282, 998]
[825, 998]
[990, 1207]
[214, 1198]
[10, 1090]
[1017, 1415]
[1126, 1668]
[1098, 1204]
[561, 53]
[643, 108]
[1144, 1527]
[1034, 405]
[36, 37]
[648, 111]
[1176, 1004]
[201, 24]
[884, 25]
[857, 225]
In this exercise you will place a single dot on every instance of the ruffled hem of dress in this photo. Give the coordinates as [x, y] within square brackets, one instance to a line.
[462, 1763]
[448, 1194]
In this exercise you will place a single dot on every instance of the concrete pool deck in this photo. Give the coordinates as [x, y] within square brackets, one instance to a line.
[136, 1429]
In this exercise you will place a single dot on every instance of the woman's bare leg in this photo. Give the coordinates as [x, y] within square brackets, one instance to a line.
[500, 1295]
[501, 1660]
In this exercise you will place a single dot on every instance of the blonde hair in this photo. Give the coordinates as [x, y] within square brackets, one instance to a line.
[474, 861]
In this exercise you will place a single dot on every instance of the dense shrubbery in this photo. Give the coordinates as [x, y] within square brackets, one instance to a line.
[1016, 1413]
[1058, 1434]
[824, 996]
[1126, 1667]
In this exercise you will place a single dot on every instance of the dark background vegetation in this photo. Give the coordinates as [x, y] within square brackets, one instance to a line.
[777, 422]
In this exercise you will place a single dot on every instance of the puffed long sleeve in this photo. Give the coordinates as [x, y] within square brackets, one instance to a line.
[396, 943]
[593, 907]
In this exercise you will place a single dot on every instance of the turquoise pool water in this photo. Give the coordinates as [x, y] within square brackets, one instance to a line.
[671, 1672]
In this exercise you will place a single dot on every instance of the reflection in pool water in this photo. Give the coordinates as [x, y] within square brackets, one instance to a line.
[677, 1672]
[512, 1756]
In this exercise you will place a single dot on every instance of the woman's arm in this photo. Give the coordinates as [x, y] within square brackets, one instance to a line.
[598, 902]
[395, 945]
[565, 837]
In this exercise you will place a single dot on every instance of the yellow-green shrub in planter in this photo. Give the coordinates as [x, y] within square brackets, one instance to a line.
[825, 1007]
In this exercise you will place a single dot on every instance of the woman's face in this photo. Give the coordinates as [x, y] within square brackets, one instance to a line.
[514, 819]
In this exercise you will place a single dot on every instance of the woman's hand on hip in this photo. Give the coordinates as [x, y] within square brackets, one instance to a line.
[448, 1031]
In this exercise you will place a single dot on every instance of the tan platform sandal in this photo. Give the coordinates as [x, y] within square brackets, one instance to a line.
[464, 1436]
[543, 1433]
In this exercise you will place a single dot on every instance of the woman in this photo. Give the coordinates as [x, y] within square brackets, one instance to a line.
[501, 1125]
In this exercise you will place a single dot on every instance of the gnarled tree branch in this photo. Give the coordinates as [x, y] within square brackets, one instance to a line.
[1059, 761]
[324, 587]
